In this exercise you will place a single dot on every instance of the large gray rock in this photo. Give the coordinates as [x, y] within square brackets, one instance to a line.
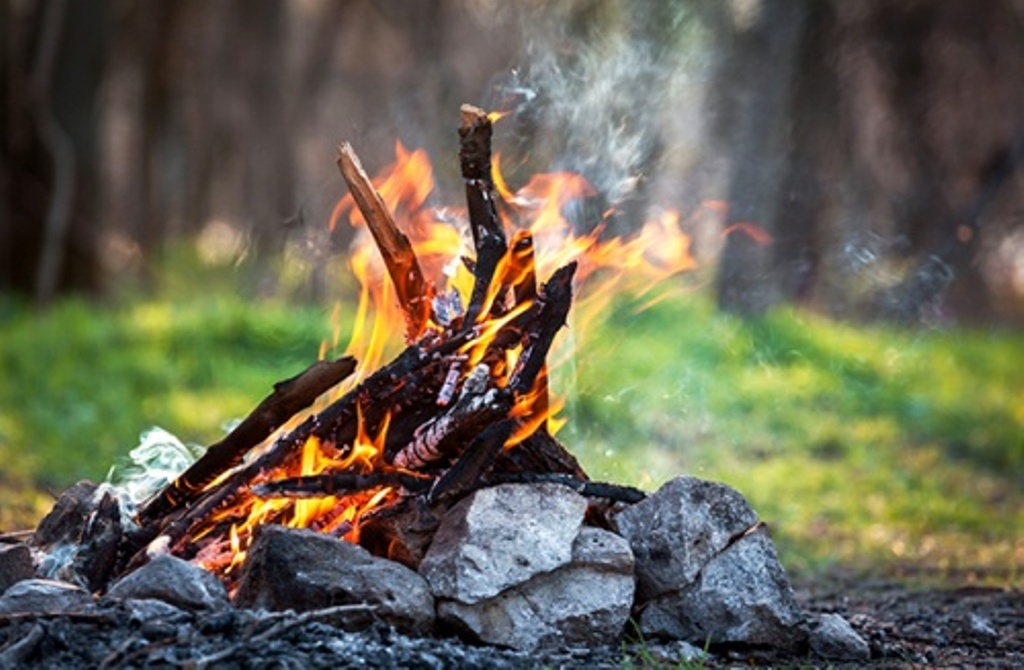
[741, 596]
[301, 570]
[676, 530]
[706, 569]
[833, 637]
[585, 602]
[45, 595]
[173, 581]
[500, 537]
[15, 565]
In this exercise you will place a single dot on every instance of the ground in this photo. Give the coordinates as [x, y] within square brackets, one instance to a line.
[970, 626]
[975, 627]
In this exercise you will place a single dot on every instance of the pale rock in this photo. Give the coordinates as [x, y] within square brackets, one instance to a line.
[585, 602]
[741, 596]
[833, 637]
[500, 537]
[676, 530]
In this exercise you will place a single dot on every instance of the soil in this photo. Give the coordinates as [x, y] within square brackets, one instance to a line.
[908, 626]
[976, 627]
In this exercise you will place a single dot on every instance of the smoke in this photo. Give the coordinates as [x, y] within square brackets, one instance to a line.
[602, 96]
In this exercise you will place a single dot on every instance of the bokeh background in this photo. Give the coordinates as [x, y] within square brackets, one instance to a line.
[847, 354]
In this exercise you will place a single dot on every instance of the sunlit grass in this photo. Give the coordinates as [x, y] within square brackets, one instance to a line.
[867, 446]
[856, 444]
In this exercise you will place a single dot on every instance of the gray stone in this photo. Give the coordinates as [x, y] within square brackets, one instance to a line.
[500, 537]
[146, 610]
[585, 602]
[832, 637]
[45, 595]
[15, 565]
[676, 530]
[741, 596]
[304, 570]
[173, 581]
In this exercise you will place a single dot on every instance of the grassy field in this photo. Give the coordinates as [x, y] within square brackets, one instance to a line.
[864, 447]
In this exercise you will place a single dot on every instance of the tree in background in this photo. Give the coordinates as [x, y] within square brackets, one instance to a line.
[54, 55]
[865, 143]
[867, 138]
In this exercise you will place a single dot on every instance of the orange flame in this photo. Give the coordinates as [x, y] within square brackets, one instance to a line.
[541, 238]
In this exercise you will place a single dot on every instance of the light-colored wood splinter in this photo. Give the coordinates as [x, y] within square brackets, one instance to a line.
[414, 293]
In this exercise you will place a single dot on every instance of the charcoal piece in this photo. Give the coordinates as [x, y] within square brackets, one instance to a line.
[45, 595]
[15, 565]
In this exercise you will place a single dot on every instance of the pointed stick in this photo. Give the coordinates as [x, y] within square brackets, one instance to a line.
[414, 294]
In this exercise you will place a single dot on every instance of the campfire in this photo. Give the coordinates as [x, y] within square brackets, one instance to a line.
[465, 405]
[438, 472]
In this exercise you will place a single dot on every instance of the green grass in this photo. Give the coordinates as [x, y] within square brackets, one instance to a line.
[856, 444]
[866, 446]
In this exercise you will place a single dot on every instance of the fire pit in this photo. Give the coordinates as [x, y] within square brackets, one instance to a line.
[430, 493]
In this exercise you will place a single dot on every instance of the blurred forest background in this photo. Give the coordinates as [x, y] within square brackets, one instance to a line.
[849, 172]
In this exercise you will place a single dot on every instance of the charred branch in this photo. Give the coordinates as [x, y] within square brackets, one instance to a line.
[340, 483]
[289, 397]
[467, 472]
[539, 452]
[557, 298]
[448, 433]
[489, 240]
[616, 492]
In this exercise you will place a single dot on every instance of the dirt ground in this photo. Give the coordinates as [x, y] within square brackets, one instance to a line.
[947, 627]
[907, 627]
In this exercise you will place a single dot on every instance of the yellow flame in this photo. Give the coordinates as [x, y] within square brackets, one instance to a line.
[606, 267]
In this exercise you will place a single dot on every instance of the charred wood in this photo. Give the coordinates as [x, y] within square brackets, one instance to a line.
[289, 397]
[540, 452]
[616, 492]
[489, 240]
[335, 483]
[557, 297]
[467, 472]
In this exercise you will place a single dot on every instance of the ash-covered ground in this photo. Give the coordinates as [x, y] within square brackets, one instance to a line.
[906, 627]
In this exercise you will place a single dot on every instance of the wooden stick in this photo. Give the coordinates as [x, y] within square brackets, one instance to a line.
[488, 236]
[465, 474]
[340, 483]
[626, 494]
[414, 293]
[289, 397]
[557, 297]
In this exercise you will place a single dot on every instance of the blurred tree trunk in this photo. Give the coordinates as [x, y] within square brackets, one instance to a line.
[846, 121]
[757, 76]
[54, 54]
